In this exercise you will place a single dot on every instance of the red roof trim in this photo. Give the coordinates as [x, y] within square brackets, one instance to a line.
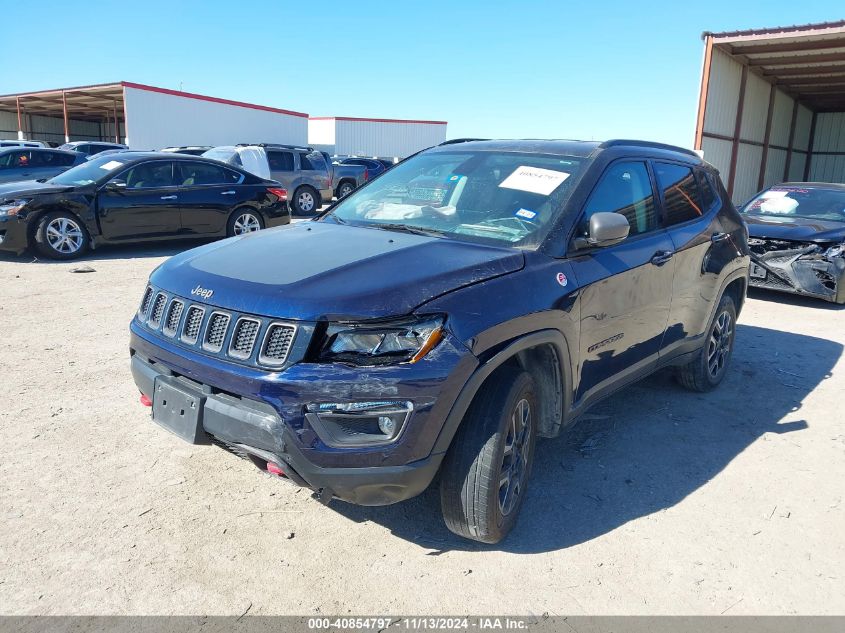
[117, 84]
[795, 29]
[191, 95]
[353, 118]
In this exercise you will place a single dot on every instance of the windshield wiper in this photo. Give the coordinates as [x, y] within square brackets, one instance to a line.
[404, 228]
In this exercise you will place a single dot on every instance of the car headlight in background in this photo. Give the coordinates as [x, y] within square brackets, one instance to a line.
[379, 344]
[12, 207]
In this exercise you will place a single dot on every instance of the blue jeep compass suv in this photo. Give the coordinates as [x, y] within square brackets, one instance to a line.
[477, 296]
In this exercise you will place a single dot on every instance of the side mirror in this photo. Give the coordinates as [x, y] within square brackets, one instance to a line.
[115, 186]
[606, 229]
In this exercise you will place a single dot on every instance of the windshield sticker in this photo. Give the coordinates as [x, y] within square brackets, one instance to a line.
[773, 194]
[534, 180]
[779, 206]
[112, 164]
[453, 178]
[526, 214]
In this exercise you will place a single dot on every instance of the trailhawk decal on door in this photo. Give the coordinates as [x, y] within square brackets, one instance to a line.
[605, 342]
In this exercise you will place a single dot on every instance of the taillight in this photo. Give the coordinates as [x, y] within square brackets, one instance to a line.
[281, 194]
[366, 174]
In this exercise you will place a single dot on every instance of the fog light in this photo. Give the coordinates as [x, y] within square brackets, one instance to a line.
[358, 423]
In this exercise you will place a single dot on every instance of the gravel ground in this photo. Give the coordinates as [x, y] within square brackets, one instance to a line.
[660, 501]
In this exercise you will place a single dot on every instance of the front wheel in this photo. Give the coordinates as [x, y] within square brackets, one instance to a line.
[61, 235]
[485, 474]
[707, 370]
[243, 221]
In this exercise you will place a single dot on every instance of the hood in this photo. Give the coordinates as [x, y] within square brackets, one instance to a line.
[314, 270]
[795, 229]
[24, 188]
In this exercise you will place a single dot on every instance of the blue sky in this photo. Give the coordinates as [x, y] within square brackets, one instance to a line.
[590, 70]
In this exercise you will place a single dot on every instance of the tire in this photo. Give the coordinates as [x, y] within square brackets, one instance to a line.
[61, 235]
[345, 189]
[244, 221]
[476, 501]
[707, 370]
[306, 201]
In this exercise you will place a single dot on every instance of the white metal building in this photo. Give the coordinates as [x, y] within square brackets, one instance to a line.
[772, 106]
[385, 138]
[145, 117]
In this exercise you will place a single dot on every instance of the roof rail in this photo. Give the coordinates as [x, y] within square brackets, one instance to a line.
[619, 142]
[304, 148]
[461, 140]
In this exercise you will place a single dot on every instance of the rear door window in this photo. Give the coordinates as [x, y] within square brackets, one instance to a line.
[280, 161]
[624, 188]
[206, 174]
[680, 191]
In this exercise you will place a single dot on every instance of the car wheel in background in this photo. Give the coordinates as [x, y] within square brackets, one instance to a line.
[306, 201]
[485, 474]
[709, 368]
[345, 189]
[244, 221]
[61, 235]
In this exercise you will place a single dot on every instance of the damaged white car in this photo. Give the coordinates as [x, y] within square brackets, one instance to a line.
[797, 239]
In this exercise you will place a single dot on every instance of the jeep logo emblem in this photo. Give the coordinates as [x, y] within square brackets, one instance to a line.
[205, 293]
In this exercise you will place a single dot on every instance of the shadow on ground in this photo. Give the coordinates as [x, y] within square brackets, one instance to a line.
[641, 451]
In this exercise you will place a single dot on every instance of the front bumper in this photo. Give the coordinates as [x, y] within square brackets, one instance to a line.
[261, 414]
[802, 271]
[13, 234]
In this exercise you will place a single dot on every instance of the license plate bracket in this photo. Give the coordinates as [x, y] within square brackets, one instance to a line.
[179, 410]
[757, 272]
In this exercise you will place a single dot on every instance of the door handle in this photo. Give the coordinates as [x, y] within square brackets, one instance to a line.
[719, 237]
[228, 193]
[661, 257]
[168, 197]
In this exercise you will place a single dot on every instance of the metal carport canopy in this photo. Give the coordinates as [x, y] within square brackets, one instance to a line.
[84, 103]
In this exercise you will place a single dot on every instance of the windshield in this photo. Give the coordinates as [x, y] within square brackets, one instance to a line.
[91, 171]
[799, 202]
[484, 196]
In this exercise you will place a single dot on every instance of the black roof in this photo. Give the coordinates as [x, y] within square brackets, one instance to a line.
[560, 146]
[836, 186]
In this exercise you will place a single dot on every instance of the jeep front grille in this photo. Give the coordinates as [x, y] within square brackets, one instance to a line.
[193, 321]
[145, 302]
[277, 344]
[157, 310]
[174, 313]
[246, 339]
[243, 339]
[215, 331]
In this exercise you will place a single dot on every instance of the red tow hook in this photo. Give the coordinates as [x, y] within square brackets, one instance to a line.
[146, 401]
[275, 469]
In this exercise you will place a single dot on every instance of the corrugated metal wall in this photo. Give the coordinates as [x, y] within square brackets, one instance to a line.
[385, 139]
[156, 120]
[52, 129]
[719, 128]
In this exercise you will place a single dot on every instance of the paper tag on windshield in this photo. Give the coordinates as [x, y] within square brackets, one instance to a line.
[534, 180]
[111, 165]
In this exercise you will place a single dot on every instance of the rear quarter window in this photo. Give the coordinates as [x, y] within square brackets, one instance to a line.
[682, 200]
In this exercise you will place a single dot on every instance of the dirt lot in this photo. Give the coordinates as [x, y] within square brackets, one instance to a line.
[661, 501]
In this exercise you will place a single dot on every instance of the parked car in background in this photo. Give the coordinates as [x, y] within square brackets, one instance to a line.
[392, 340]
[19, 163]
[797, 239]
[307, 174]
[374, 167]
[136, 197]
[89, 148]
[387, 163]
[192, 150]
[15, 143]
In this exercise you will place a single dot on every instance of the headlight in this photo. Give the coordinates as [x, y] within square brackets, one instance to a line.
[835, 251]
[12, 207]
[384, 343]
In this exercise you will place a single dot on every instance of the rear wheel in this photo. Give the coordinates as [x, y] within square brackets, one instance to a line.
[345, 189]
[244, 221]
[485, 474]
[61, 235]
[709, 368]
[306, 201]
